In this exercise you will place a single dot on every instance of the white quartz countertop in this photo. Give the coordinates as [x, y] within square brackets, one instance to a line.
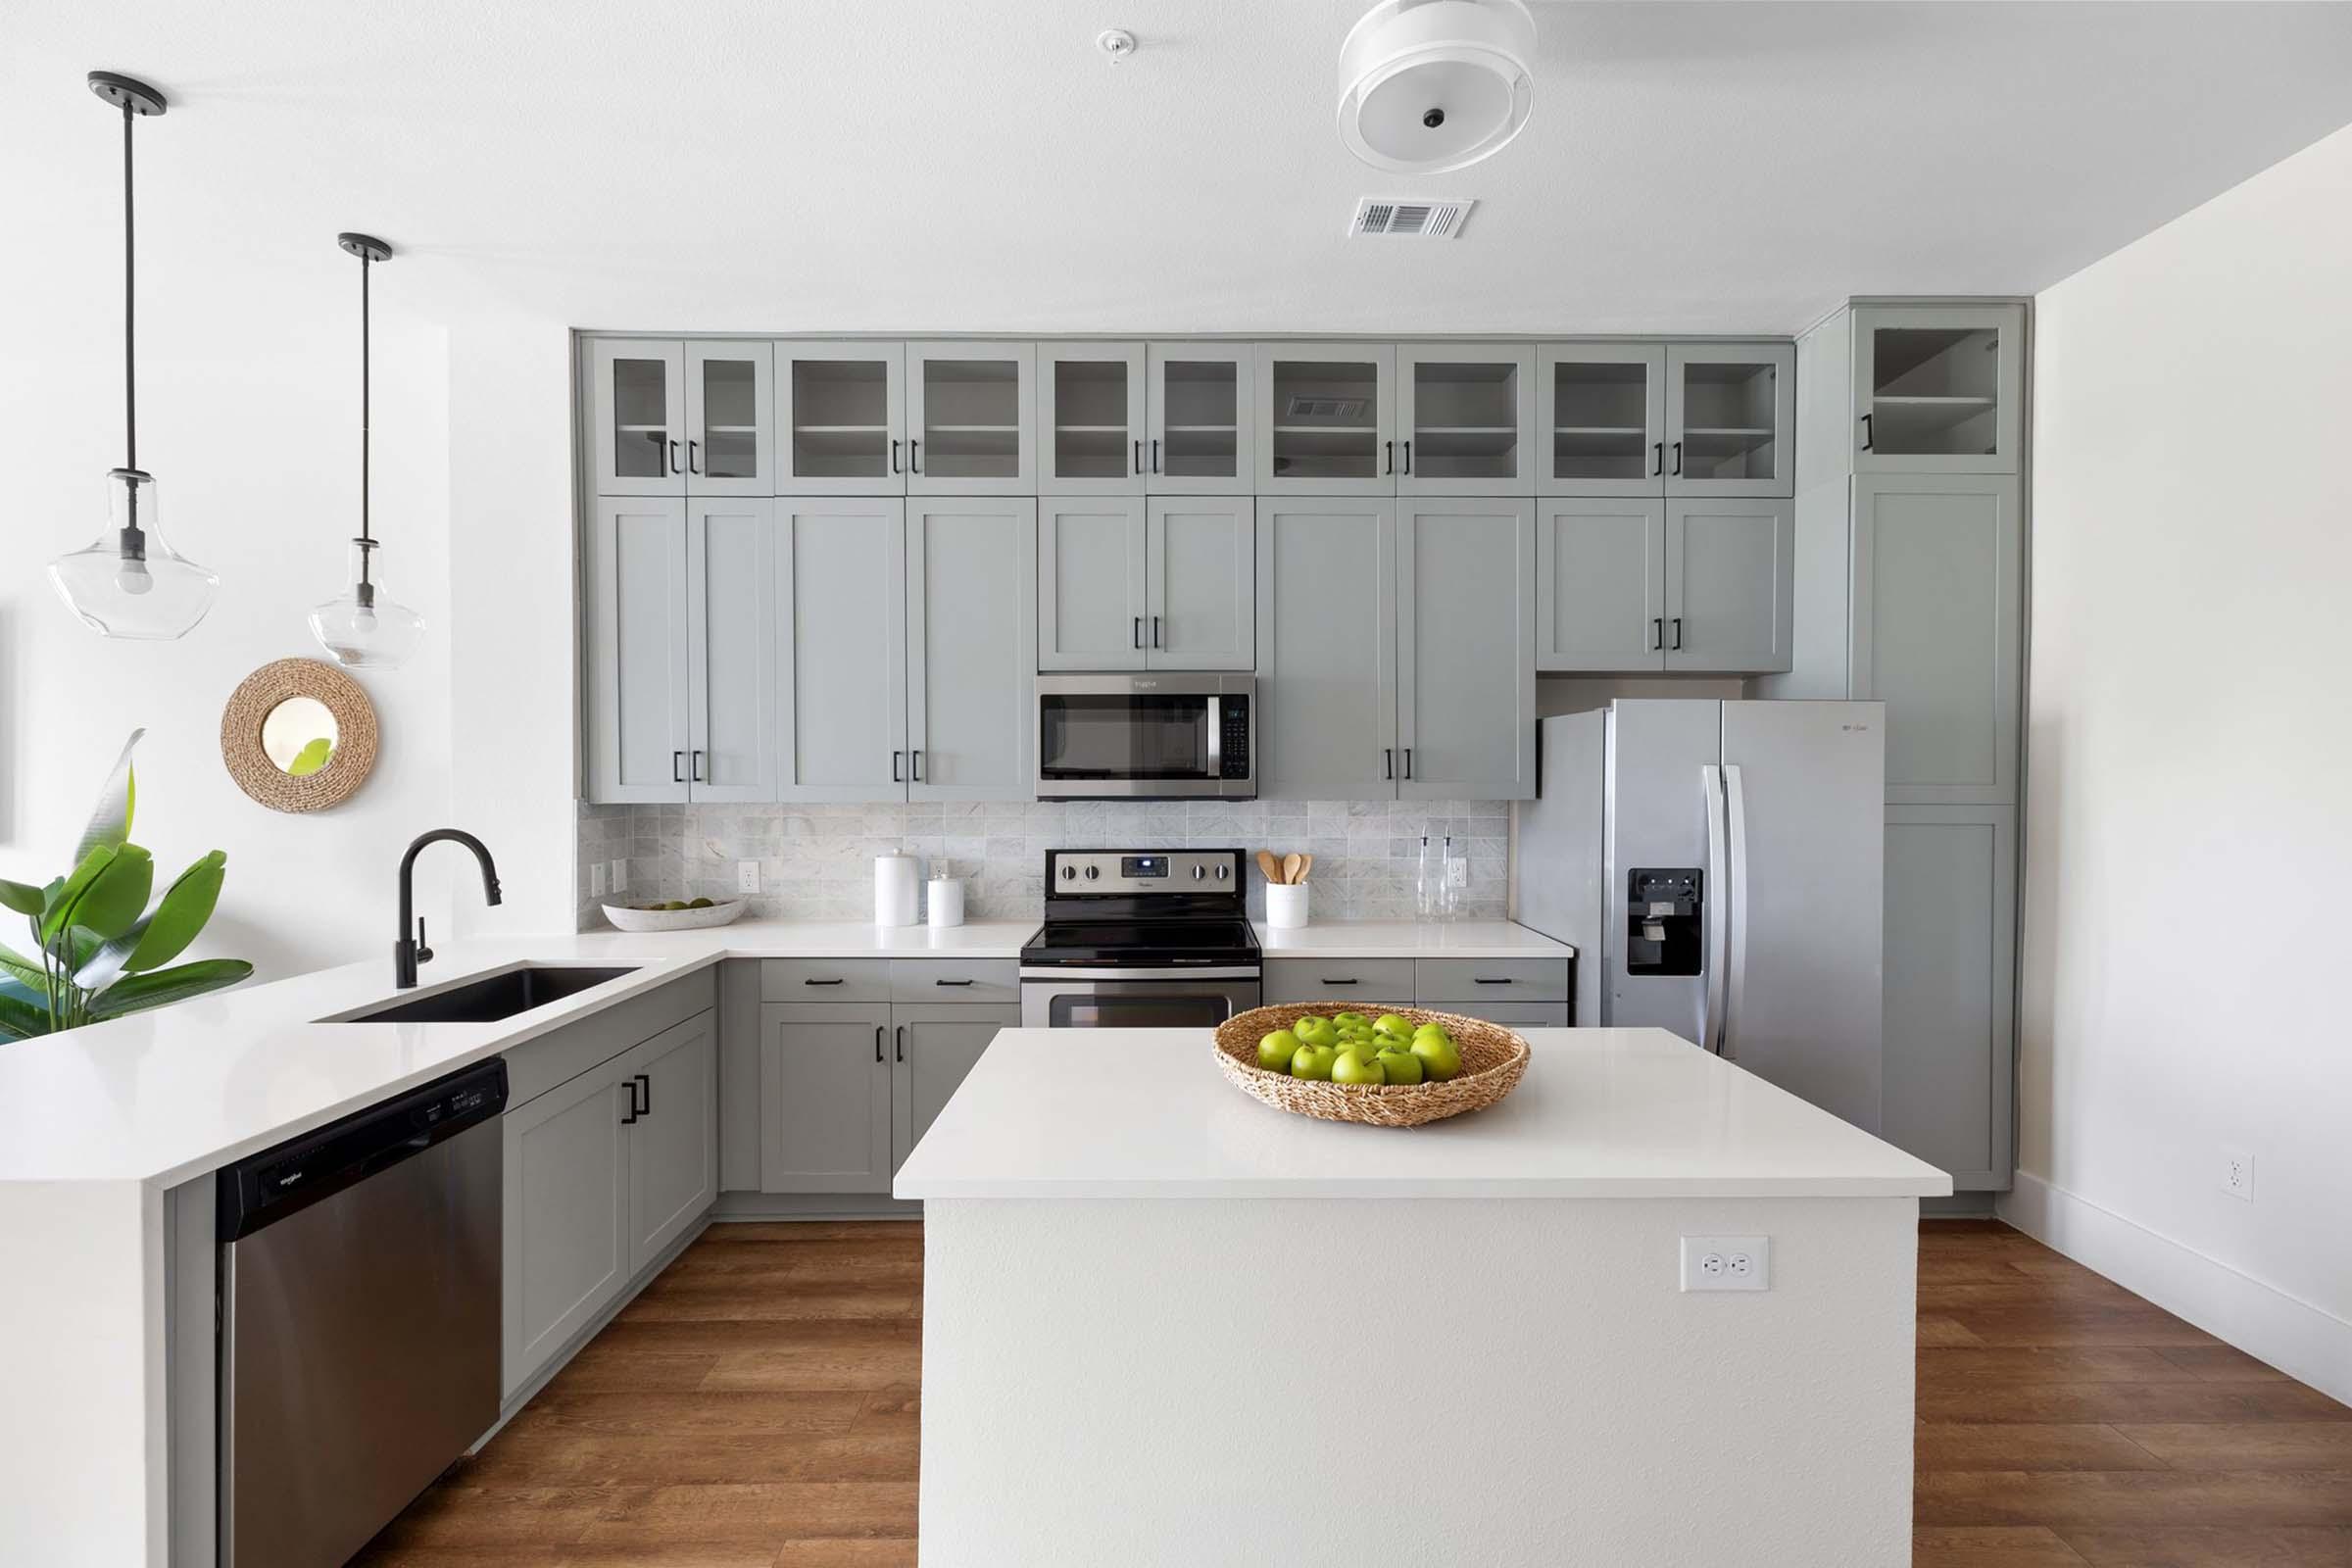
[1601, 1113]
[1403, 939]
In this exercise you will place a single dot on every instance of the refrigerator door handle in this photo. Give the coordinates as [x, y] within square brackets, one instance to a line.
[1735, 814]
[1717, 955]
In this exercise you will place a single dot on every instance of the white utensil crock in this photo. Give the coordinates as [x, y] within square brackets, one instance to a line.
[1285, 905]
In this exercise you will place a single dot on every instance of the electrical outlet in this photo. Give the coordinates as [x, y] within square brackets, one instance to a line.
[1726, 1262]
[747, 876]
[2237, 1173]
[621, 876]
[596, 879]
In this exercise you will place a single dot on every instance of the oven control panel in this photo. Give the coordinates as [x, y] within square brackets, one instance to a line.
[1076, 872]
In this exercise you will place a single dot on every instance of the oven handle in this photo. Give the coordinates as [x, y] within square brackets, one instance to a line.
[1230, 972]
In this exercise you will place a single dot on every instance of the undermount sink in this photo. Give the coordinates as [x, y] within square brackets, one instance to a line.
[491, 997]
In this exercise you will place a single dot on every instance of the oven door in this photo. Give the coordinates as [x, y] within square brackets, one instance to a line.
[1145, 737]
[1136, 998]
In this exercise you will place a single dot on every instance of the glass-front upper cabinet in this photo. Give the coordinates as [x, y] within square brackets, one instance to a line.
[1203, 439]
[844, 425]
[1326, 418]
[639, 416]
[1466, 418]
[1090, 419]
[730, 418]
[1730, 410]
[1935, 389]
[970, 417]
[1601, 419]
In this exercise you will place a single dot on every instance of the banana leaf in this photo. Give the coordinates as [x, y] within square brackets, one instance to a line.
[15, 965]
[64, 895]
[136, 993]
[21, 1018]
[21, 898]
[109, 818]
[166, 932]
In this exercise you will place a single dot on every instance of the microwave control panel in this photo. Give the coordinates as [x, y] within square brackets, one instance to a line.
[1232, 745]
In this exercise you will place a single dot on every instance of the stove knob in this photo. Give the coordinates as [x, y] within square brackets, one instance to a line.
[1093, 871]
[1198, 871]
[1224, 871]
[1069, 873]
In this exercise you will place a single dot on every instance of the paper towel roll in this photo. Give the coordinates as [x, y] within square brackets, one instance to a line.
[894, 889]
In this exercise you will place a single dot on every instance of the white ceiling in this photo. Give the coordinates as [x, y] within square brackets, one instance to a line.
[975, 165]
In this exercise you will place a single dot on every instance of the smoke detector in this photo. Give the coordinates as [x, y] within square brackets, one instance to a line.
[1429, 85]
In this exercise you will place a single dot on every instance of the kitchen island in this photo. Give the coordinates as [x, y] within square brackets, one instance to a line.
[1164, 1323]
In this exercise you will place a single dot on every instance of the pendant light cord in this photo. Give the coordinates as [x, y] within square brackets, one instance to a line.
[366, 422]
[131, 361]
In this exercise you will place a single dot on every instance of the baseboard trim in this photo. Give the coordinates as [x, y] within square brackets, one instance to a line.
[2305, 1341]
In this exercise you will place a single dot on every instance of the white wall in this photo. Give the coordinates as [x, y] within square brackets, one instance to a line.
[2188, 837]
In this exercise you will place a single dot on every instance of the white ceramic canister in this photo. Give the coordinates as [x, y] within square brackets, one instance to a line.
[946, 906]
[1285, 905]
[894, 889]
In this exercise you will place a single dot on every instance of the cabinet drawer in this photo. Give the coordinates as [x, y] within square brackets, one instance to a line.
[955, 981]
[1517, 1014]
[1443, 980]
[562, 1055]
[825, 979]
[1338, 980]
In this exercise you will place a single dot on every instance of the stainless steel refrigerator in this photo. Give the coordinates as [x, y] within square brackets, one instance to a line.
[1720, 867]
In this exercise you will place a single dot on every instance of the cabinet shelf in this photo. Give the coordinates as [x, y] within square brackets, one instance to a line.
[841, 429]
[974, 429]
[1087, 429]
[1732, 432]
[1598, 429]
[1467, 430]
[1202, 429]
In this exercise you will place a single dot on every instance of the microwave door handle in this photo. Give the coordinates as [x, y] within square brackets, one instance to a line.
[1216, 738]
[1735, 815]
[1710, 1026]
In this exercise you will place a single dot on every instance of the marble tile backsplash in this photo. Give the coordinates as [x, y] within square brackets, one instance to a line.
[816, 862]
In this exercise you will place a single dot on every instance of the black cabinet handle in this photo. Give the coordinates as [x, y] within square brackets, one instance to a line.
[1157, 640]
[1344, 980]
[1388, 761]
[1657, 632]
[915, 766]
[950, 982]
[1139, 455]
[677, 768]
[631, 1084]
[880, 1030]
[836, 980]
[1866, 432]
[1155, 454]
[694, 769]
[897, 767]
[1484, 981]
[1390, 455]
[915, 455]
[1408, 456]
[694, 461]
[894, 456]
[673, 458]
[1408, 761]
[1677, 459]
[646, 1082]
[1658, 458]
[1139, 632]
[901, 1045]
[1678, 634]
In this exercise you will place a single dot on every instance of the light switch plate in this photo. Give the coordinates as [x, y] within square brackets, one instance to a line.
[1726, 1262]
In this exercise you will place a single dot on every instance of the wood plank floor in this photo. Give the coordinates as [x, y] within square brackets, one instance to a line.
[759, 1407]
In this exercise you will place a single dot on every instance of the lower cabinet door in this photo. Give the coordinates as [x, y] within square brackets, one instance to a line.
[932, 1049]
[824, 1098]
[673, 1144]
[566, 1238]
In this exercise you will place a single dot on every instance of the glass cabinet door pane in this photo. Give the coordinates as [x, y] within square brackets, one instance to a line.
[1601, 421]
[1089, 419]
[971, 419]
[730, 418]
[1326, 420]
[840, 418]
[1203, 420]
[641, 430]
[1934, 391]
[1465, 421]
[1729, 413]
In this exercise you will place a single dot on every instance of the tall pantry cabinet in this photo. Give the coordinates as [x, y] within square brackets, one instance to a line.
[1910, 552]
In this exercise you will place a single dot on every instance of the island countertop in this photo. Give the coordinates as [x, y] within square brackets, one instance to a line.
[1601, 1113]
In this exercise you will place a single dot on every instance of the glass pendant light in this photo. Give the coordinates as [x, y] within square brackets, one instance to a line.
[128, 582]
[365, 628]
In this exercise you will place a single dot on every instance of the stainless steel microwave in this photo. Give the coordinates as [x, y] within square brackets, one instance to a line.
[1146, 737]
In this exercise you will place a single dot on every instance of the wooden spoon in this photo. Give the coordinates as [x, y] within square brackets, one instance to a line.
[1266, 864]
[1294, 866]
[1306, 863]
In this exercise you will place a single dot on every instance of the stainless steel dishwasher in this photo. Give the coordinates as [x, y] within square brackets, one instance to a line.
[359, 1319]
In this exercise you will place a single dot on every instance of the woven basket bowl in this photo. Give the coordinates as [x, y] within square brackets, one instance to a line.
[1493, 1060]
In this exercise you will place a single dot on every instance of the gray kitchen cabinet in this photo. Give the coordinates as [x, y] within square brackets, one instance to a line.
[1950, 1017]
[1600, 584]
[1326, 595]
[674, 1137]
[1204, 433]
[566, 1216]
[1465, 650]
[841, 573]
[972, 417]
[731, 650]
[1731, 414]
[1730, 583]
[1353, 983]
[971, 639]
[932, 1049]
[1091, 412]
[1092, 583]
[637, 417]
[1601, 419]
[1936, 388]
[843, 425]
[1466, 419]
[1934, 630]
[825, 1098]
[1199, 607]
[1327, 418]
[730, 418]
[638, 677]
[1516, 1015]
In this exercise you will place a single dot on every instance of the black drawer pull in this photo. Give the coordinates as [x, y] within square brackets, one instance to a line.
[645, 1082]
[902, 1046]
[1484, 981]
[1328, 981]
[880, 1030]
[836, 980]
[950, 982]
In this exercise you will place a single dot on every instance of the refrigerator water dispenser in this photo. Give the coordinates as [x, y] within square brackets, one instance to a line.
[1663, 909]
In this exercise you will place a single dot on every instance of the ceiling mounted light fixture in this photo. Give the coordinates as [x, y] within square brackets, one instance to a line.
[128, 582]
[1431, 85]
[363, 628]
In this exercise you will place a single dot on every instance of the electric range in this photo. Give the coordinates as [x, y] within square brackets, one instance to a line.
[1141, 938]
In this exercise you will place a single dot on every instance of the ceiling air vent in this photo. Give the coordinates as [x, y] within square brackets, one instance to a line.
[1410, 219]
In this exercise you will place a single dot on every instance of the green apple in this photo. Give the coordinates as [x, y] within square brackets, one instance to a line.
[1313, 1061]
[1438, 1057]
[1399, 1065]
[698, 903]
[1436, 1029]
[1357, 1066]
[1275, 1050]
[1316, 1031]
[1352, 1020]
[1389, 1023]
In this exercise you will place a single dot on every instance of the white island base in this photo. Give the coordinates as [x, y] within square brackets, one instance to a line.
[1459, 1344]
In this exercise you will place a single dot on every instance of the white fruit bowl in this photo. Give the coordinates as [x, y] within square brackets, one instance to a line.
[624, 918]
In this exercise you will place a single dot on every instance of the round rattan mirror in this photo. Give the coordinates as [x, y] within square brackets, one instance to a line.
[298, 735]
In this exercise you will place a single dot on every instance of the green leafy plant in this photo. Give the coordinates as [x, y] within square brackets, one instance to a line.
[101, 948]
